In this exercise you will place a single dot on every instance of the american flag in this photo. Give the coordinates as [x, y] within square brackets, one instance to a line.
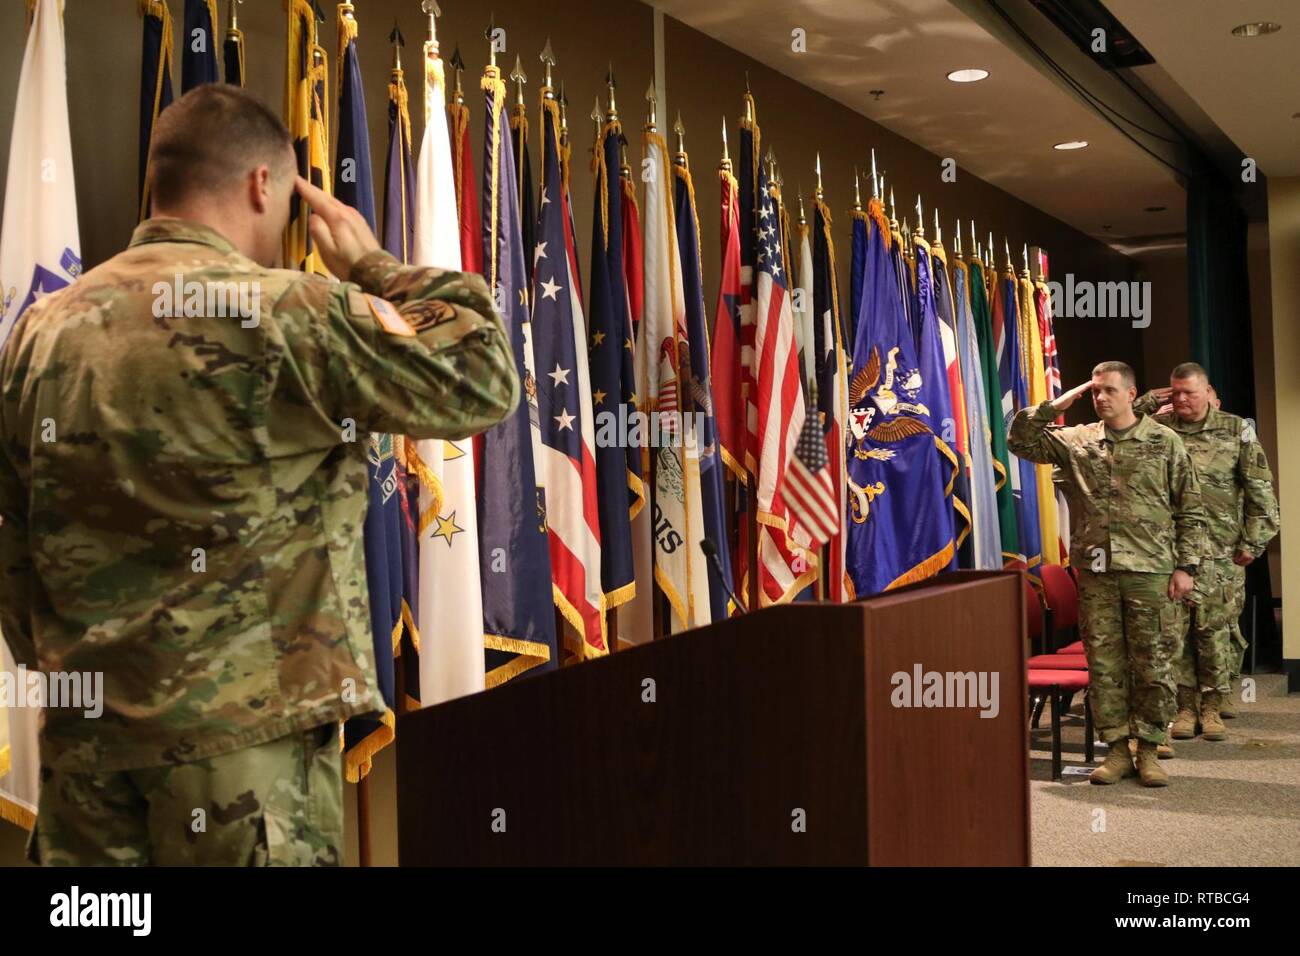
[567, 463]
[809, 487]
[780, 411]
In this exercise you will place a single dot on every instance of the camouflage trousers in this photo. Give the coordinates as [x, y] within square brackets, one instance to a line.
[1130, 633]
[1212, 645]
[275, 804]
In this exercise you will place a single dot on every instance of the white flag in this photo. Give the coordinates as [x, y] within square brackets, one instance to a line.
[40, 252]
[451, 603]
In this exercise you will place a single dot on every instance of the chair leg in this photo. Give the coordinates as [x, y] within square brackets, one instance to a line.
[1056, 733]
[1039, 701]
[1087, 726]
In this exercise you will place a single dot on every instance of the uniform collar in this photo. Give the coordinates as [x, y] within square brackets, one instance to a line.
[1139, 432]
[181, 230]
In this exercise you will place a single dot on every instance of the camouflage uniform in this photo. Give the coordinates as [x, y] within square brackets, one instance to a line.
[1135, 516]
[1241, 515]
[183, 494]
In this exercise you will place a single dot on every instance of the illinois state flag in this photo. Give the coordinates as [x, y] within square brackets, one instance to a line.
[39, 252]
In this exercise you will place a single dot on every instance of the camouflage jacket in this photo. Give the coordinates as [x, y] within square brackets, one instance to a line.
[1236, 483]
[1135, 501]
[183, 484]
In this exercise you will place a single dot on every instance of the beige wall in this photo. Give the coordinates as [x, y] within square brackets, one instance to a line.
[1284, 255]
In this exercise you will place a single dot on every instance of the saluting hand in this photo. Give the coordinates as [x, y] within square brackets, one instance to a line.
[341, 234]
[1065, 400]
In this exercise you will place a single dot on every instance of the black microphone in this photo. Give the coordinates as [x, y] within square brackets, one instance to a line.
[711, 551]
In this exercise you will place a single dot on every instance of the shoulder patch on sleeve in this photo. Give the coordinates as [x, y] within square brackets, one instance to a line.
[427, 313]
[388, 317]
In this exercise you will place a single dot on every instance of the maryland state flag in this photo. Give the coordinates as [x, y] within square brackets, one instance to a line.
[1008, 526]
[514, 558]
[1015, 396]
[307, 116]
[900, 530]
[199, 49]
[613, 383]
[232, 50]
[155, 82]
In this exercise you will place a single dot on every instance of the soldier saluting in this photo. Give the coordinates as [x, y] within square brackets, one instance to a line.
[188, 433]
[1241, 518]
[1136, 537]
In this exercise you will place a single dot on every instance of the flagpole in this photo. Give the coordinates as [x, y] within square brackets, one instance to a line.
[657, 598]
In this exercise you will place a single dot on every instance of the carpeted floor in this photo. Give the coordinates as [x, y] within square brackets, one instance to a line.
[1229, 803]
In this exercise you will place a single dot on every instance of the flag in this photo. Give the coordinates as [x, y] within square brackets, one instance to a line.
[1031, 350]
[232, 50]
[448, 638]
[471, 226]
[1008, 527]
[40, 252]
[524, 171]
[613, 389]
[985, 532]
[663, 390]
[934, 375]
[199, 53]
[1015, 396]
[363, 737]
[831, 394]
[857, 269]
[750, 173]
[955, 431]
[900, 531]
[699, 399]
[726, 359]
[514, 562]
[155, 82]
[785, 565]
[306, 114]
[801, 304]
[1052, 370]
[567, 462]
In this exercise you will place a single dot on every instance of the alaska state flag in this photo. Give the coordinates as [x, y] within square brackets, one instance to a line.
[899, 529]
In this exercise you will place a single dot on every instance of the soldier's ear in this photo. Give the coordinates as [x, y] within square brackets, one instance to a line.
[259, 187]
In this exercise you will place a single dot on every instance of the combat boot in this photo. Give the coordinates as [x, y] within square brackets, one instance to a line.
[1117, 765]
[1149, 770]
[1164, 751]
[1228, 703]
[1184, 727]
[1211, 724]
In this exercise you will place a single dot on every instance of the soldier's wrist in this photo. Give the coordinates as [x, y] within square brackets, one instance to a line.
[1046, 411]
[372, 269]
[1188, 569]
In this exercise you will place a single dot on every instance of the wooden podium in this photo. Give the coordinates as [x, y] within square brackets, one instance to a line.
[710, 747]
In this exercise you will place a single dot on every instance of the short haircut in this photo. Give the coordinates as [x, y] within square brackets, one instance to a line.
[1190, 370]
[1125, 372]
[210, 138]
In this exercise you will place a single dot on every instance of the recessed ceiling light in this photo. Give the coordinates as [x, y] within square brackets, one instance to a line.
[967, 76]
[1156, 208]
[1256, 29]
[1072, 144]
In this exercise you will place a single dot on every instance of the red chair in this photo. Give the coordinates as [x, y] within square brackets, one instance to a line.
[1057, 662]
[1061, 595]
[1035, 615]
[1075, 648]
[1060, 686]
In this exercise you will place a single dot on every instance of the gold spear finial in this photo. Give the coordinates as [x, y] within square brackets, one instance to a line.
[611, 114]
[988, 251]
[726, 156]
[520, 78]
[652, 101]
[956, 239]
[232, 18]
[1024, 254]
[857, 191]
[1006, 244]
[624, 167]
[893, 211]
[803, 220]
[875, 188]
[564, 114]
[680, 129]
[920, 219]
[597, 117]
[818, 193]
[547, 57]
[490, 34]
[457, 64]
